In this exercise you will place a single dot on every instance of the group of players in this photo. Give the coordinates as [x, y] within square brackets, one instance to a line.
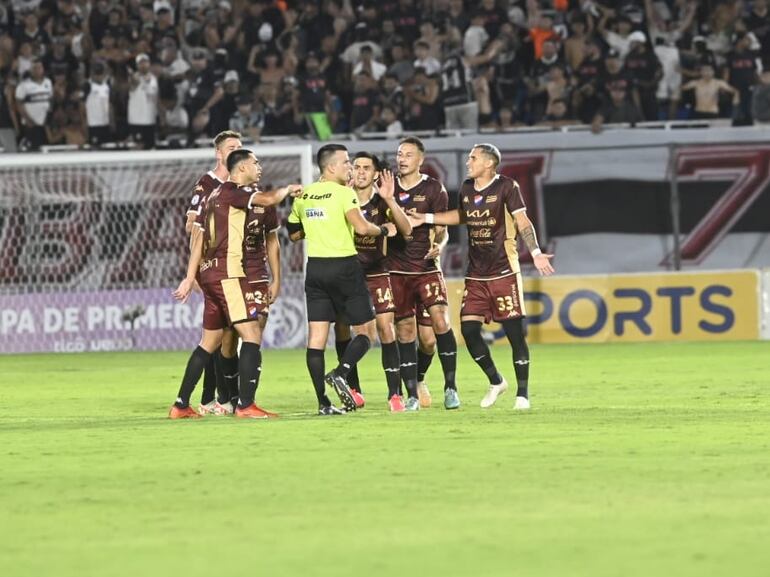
[373, 242]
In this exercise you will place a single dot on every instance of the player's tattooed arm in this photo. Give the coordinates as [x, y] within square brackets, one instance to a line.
[541, 260]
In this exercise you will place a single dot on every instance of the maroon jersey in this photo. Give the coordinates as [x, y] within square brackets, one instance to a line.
[204, 186]
[223, 220]
[373, 249]
[260, 221]
[407, 255]
[488, 214]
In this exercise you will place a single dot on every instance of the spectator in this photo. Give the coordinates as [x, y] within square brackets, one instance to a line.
[616, 76]
[461, 111]
[424, 60]
[143, 103]
[538, 79]
[576, 46]
[407, 20]
[314, 94]
[265, 66]
[587, 84]
[33, 102]
[392, 95]
[645, 72]
[96, 106]
[423, 103]
[173, 119]
[707, 90]
[619, 109]
[25, 59]
[758, 23]
[557, 89]
[541, 29]
[401, 66]
[664, 27]
[429, 36]
[59, 59]
[224, 104]
[558, 114]
[9, 124]
[742, 73]
[457, 17]
[760, 106]
[332, 66]
[389, 122]
[617, 37]
[494, 16]
[670, 84]
[476, 36]
[366, 63]
[366, 106]
[246, 120]
[30, 31]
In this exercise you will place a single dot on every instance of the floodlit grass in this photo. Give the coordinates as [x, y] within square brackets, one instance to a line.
[648, 460]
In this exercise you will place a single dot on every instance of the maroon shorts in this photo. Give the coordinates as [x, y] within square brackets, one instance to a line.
[497, 299]
[382, 293]
[423, 317]
[411, 291]
[233, 300]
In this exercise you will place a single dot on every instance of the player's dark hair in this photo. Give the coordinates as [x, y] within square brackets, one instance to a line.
[415, 141]
[370, 156]
[325, 154]
[236, 157]
[490, 151]
[224, 135]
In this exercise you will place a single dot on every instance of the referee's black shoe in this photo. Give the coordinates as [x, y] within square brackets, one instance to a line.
[340, 386]
[330, 410]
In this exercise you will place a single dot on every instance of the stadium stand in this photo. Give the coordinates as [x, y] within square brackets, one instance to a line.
[170, 72]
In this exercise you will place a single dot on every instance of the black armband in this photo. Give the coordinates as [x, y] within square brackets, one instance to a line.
[294, 227]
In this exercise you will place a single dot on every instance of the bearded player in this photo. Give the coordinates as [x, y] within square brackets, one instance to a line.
[492, 208]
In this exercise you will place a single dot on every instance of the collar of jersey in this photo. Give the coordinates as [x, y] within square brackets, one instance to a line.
[497, 176]
[423, 178]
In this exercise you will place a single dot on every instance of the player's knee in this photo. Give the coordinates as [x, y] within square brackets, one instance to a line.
[385, 331]
[406, 332]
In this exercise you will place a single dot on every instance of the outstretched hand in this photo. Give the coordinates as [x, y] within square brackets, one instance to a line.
[295, 190]
[434, 252]
[387, 189]
[415, 218]
[543, 264]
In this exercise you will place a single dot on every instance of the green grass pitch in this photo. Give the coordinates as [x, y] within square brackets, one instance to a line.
[648, 460]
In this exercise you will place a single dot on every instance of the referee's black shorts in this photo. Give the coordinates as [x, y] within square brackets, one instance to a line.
[336, 287]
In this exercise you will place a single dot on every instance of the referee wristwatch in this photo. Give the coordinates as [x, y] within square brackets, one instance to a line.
[383, 231]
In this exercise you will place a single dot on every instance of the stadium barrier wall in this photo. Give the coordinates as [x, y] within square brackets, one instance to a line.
[701, 306]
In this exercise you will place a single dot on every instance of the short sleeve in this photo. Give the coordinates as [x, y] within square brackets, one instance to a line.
[348, 199]
[271, 220]
[440, 200]
[196, 200]
[294, 214]
[513, 200]
[238, 197]
[200, 215]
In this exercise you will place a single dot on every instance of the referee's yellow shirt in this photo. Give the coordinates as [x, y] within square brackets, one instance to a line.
[321, 211]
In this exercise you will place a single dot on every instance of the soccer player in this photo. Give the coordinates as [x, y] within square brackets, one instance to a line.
[415, 276]
[222, 369]
[379, 207]
[327, 214]
[229, 299]
[493, 210]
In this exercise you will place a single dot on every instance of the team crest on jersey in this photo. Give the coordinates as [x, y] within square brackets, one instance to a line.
[252, 311]
[477, 199]
[403, 196]
[375, 211]
[491, 199]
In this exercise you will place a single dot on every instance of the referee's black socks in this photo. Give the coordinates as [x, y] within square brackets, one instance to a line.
[479, 350]
[195, 365]
[408, 354]
[316, 367]
[352, 377]
[447, 354]
[391, 364]
[249, 369]
[354, 352]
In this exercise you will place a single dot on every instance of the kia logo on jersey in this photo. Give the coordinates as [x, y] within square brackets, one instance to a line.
[477, 199]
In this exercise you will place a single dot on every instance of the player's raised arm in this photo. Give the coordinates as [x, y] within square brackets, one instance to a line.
[274, 197]
[448, 218]
[387, 193]
[365, 228]
[527, 231]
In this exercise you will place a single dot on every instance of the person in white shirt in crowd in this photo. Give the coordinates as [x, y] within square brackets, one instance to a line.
[367, 62]
[143, 103]
[96, 106]
[670, 85]
[620, 39]
[476, 36]
[424, 60]
[33, 102]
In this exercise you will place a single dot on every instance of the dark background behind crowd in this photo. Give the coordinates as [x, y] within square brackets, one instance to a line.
[136, 71]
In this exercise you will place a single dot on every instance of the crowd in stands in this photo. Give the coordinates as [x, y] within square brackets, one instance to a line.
[95, 71]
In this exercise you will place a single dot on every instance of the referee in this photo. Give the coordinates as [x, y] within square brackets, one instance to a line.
[327, 214]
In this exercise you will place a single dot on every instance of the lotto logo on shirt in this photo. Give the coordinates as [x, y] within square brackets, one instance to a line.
[315, 213]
